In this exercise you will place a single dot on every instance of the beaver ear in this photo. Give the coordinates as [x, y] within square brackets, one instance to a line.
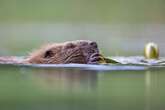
[48, 54]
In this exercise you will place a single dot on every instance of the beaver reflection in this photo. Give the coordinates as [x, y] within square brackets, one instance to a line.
[67, 79]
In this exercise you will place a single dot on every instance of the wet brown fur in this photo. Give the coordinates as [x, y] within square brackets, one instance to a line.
[79, 51]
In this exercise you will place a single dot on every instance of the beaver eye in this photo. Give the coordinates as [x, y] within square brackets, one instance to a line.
[48, 54]
[70, 45]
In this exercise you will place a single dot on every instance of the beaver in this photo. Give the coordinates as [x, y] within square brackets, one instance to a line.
[79, 51]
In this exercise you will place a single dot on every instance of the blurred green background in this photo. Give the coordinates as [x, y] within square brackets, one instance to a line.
[121, 27]
[76, 11]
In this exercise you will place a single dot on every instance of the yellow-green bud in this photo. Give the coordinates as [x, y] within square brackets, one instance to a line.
[151, 51]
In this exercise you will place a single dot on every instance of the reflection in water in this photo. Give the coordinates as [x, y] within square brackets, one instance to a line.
[65, 79]
[148, 90]
[154, 90]
[75, 89]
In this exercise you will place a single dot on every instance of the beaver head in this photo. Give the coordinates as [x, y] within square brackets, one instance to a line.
[63, 53]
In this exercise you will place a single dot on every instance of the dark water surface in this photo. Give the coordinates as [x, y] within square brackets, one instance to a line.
[93, 88]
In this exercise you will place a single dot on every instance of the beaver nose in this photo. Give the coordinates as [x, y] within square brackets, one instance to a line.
[93, 44]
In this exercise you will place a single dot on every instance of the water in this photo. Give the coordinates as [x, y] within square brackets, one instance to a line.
[25, 87]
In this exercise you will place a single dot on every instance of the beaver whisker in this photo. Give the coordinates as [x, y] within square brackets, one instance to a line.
[75, 59]
[53, 60]
[72, 53]
[77, 53]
